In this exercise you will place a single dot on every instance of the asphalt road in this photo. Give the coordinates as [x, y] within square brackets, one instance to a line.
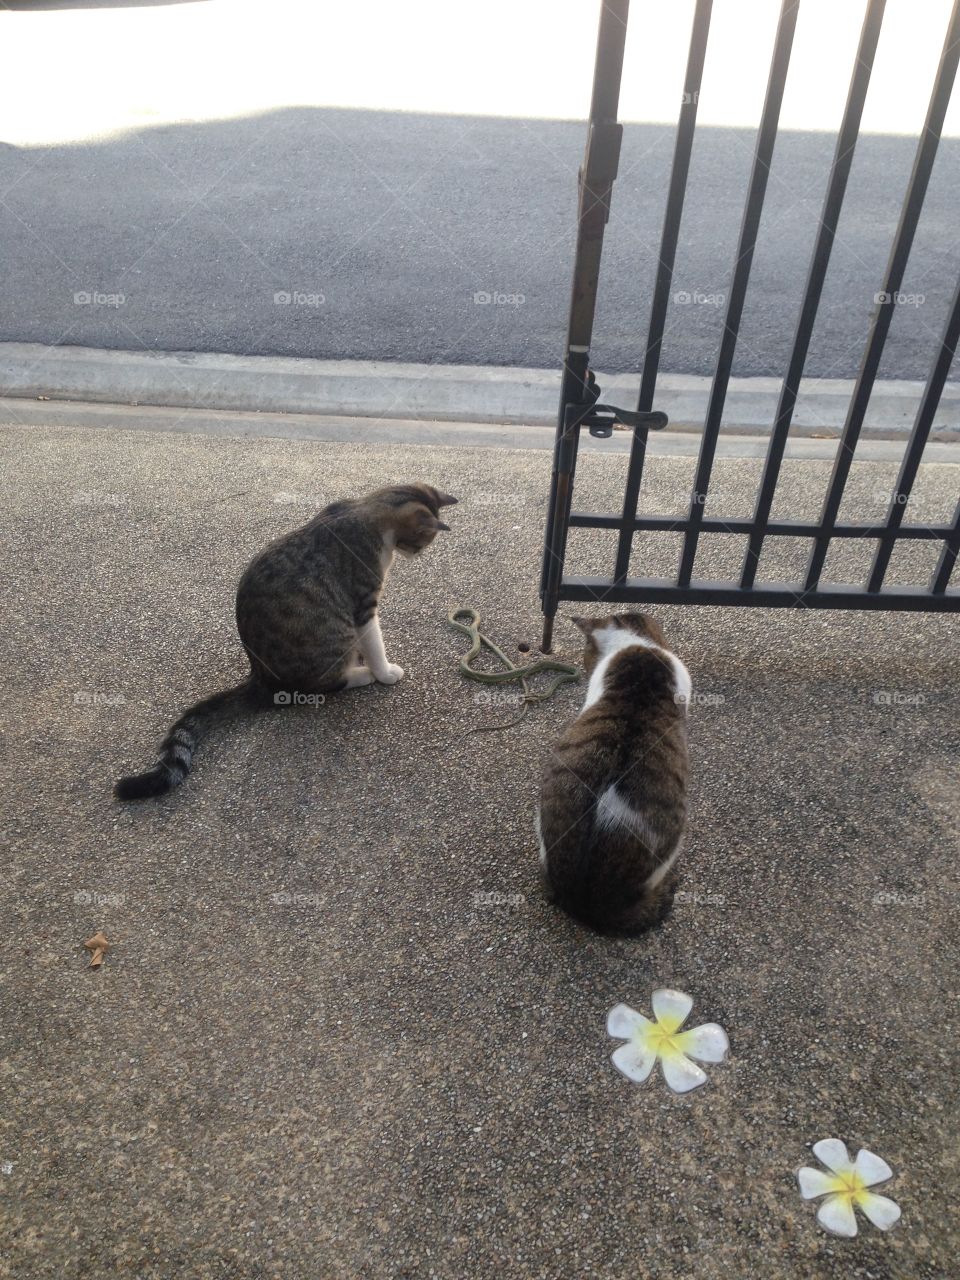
[378, 232]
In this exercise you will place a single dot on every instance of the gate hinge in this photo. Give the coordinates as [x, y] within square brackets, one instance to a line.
[600, 418]
[599, 169]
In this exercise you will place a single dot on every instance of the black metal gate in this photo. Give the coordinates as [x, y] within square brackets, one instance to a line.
[580, 393]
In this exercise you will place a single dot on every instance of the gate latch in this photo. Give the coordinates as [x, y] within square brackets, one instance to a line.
[600, 418]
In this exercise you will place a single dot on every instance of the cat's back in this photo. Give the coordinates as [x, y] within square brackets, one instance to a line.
[336, 546]
[613, 798]
[645, 695]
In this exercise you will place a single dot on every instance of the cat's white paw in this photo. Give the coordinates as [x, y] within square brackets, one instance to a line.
[391, 674]
[356, 677]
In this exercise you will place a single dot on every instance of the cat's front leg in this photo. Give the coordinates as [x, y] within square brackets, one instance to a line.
[370, 643]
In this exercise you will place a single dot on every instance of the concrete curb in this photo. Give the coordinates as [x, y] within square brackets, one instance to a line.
[447, 393]
[69, 415]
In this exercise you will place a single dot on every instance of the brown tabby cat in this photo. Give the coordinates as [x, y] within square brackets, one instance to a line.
[613, 797]
[307, 615]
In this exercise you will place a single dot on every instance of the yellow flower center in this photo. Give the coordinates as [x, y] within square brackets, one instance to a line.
[851, 1186]
[662, 1038]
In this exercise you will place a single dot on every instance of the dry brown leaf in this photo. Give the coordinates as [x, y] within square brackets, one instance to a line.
[99, 945]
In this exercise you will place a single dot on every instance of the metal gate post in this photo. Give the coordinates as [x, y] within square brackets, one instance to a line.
[577, 393]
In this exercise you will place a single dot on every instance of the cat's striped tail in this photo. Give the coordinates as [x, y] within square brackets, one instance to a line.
[177, 748]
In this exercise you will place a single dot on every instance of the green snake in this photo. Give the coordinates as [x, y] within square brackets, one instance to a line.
[567, 673]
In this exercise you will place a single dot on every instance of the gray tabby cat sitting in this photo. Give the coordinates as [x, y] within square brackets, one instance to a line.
[613, 798]
[307, 615]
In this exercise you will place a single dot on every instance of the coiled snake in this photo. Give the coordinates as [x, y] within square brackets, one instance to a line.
[471, 628]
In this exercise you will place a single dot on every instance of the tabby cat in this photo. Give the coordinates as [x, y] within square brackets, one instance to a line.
[307, 616]
[613, 796]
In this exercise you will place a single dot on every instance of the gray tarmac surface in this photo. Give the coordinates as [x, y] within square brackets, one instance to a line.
[379, 230]
[314, 1049]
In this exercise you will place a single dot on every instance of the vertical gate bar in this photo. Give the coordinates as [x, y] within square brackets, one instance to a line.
[596, 180]
[883, 312]
[670, 235]
[948, 558]
[766, 138]
[829, 217]
[918, 439]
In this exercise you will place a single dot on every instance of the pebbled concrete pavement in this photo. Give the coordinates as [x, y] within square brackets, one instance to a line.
[316, 1049]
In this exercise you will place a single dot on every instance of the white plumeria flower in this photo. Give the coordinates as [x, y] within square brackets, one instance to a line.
[845, 1186]
[648, 1042]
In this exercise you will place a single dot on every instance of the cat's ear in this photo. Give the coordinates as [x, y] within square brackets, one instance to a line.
[583, 624]
[427, 520]
[445, 500]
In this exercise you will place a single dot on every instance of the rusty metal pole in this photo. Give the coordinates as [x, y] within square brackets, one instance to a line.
[577, 394]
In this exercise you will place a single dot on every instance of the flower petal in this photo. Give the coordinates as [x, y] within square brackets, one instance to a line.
[881, 1210]
[814, 1182]
[622, 1021]
[680, 1073]
[671, 1007]
[708, 1043]
[836, 1215]
[634, 1060]
[871, 1168]
[834, 1154]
